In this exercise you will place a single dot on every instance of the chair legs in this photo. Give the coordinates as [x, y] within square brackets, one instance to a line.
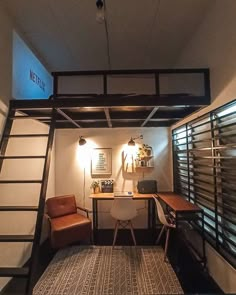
[167, 239]
[132, 232]
[121, 223]
[167, 242]
[115, 232]
[160, 234]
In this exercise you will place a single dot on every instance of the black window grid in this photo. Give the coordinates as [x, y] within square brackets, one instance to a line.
[204, 162]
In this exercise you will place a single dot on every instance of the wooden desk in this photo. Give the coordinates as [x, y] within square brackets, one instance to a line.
[177, 203]
[185, 210]
[110, 196]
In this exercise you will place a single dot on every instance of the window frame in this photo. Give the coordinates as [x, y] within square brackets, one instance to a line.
[203, 171]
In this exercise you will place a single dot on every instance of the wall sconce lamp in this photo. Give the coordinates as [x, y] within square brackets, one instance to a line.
[82, 140]
[132, 140]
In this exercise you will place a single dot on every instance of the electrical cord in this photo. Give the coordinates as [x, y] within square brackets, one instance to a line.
[84, 190]
[153, 25]
[107, 38]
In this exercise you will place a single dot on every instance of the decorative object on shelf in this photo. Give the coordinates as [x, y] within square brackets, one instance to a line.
[132, 140]
[107, 186]
[144, 156]
[82, 140]
[144, 151]
[101, 161]
[141, 158]
[95, 185]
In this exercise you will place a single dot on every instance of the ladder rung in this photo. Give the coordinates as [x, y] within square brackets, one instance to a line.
[31, 108]
[30, 117]
[16, 238]
[22, 157]
[27, 135]
[18, 208]
[21, 181]
[14, 271]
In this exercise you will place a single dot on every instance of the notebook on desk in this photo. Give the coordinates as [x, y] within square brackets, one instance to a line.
[123, 194]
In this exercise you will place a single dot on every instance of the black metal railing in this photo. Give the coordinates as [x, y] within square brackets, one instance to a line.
[204, 153]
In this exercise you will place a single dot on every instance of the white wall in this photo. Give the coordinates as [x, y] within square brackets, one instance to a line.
[70, 160]
[214, 46]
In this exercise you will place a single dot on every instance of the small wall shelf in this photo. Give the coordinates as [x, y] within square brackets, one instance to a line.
[144, 162]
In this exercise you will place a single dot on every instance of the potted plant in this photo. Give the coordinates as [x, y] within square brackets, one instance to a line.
[144, 151]
[95, 185]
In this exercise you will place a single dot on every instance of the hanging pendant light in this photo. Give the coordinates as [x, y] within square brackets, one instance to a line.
[100, 16]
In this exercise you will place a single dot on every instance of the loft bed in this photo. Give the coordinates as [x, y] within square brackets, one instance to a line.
[134, 98]
[121, 98]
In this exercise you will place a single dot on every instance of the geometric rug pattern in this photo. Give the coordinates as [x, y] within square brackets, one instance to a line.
[105, 270]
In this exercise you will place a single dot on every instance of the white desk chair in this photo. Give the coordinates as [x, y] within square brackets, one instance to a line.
[167, 224]
[123, 210]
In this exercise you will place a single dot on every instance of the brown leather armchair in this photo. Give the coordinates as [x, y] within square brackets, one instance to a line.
[66, 224]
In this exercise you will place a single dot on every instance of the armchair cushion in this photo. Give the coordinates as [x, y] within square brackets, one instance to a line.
[68, 221]
[67, 229]
[60, 206]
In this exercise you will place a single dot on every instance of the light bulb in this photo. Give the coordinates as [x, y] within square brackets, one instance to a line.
[100, 17]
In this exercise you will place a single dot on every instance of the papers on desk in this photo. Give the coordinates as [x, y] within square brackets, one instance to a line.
[123, 194]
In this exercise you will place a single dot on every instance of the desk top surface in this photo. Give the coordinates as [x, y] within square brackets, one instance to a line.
[110, 196]
[177, 203]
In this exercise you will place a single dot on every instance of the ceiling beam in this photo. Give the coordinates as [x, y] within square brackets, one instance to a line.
[68, 118]
[114, 120]
[138, 123]
[117, 114]
[149, 116]
[110, 101]
[106, 110]
[178, 113]
[83, 117]
[117, 124]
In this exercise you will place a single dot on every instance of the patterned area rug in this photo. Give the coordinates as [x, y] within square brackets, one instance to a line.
[103, 270]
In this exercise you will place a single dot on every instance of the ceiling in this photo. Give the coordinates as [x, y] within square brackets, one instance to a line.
[136, 34]
[140, 34]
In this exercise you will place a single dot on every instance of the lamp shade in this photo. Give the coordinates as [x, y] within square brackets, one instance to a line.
[131, 142]
[82, 140]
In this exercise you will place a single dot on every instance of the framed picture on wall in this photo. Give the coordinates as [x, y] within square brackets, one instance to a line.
[101, 161]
